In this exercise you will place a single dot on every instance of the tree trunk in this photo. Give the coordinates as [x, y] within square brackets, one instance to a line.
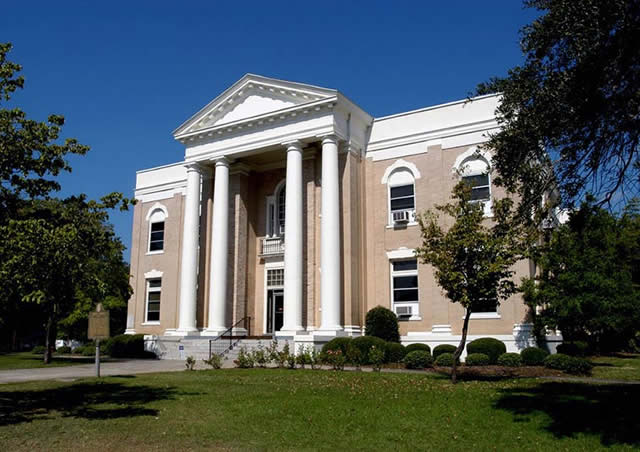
[50, 339]
[458, 352]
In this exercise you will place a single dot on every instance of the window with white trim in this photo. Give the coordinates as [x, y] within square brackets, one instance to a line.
[156, 231]
[404, 288]
[402, 196]
[475, 173]
[154, 289]
[276, 208]
[485, 307]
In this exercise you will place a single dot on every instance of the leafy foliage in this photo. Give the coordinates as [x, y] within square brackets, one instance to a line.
[510, 360]
[418, 359]
[366, 343]
[445, 360]
[569, 115]
[395, 352]
[383, 323]
[476, 359]
[533, 356]
[569, 364]
[413, 347]
[491, 347]
[338, 343]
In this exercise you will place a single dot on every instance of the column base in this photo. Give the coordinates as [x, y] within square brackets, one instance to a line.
[129, 331]
[290, 333]
[330, 332]
[213, 331]
[182, 332]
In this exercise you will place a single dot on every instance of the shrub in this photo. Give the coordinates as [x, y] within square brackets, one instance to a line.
[510, 360]
[376, 357]
[64, 350]
[335, 358]
[396, 352]
[244, 359]
[422, 347]
[260, 357]
[86, 350]
[491, 347]
[365, 343]
[476, 359]
[355, 356]
[38, 350]
[304, 355]
[127, 346]
[338, 343]
[215, 361]
[576, 348]
[444, 360]
[190, 362]
[316, 358]
[533, 356]
[418, 359]
[443, 348]
[383, 323]
[569, 364]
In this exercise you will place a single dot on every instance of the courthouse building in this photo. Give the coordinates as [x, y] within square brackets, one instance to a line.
[293, 213]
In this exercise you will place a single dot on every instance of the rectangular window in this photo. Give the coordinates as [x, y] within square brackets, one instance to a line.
[485, 306]
[404, 287]
[156, 236]
[402, 197]
[275, 277]
[154, 288]
[480, 187]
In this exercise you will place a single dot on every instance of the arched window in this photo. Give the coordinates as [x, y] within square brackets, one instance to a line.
[401, 190]
[276, 207]
[156, 219]
[281, 208]
[474, 167]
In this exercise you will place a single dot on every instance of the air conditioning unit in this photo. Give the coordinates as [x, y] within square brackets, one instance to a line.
[401, 216]
[404, 311]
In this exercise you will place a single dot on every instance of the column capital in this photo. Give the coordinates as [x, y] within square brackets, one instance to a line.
[221, 161]
[293, 145]
[329, 138]
[196, 166]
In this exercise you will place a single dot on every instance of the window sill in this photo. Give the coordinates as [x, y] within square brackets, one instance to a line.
[402, 225]
[150, 323]
[413, 318]
[151, 253]
[485, 315]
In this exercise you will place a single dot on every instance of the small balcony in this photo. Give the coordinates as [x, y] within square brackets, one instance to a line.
[272, 246]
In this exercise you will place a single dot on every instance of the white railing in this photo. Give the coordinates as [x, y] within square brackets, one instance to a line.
[272, 246]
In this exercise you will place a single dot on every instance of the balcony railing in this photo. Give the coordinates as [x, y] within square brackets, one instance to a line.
[272, 246]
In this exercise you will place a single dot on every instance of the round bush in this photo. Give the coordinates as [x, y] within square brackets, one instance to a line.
[338, 343]
[510, 360]
[383, 323]
[569, 364]
[477, 359]
[63, 350]
[396, 352]
[422, 347]
[533, 356]
[364, 344]
[443, 348]
[38, 350]
[445, 360]
[576, 348]
[489, 346]
[418, 359]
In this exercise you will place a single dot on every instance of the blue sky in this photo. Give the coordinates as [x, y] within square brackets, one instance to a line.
[124, 75]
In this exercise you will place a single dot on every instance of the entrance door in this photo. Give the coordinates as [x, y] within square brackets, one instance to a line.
[275, 310]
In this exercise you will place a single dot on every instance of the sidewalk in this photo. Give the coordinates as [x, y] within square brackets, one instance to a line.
[123, 367]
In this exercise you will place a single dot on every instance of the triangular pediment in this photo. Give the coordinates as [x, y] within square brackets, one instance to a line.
[252, 96]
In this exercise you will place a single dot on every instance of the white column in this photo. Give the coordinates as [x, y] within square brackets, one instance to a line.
[330, 237]
[293, 241]
[219, 250]
[189, 268]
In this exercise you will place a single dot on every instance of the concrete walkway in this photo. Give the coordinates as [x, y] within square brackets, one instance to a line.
[70, 373]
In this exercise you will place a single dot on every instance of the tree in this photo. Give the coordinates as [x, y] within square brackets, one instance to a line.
[57, 256]
[570, 114]
[473, 259]
[588, 286]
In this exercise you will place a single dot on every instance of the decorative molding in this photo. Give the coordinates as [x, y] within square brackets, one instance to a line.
[153, 274]
[157, 206]
[471, 153]
[398, 164]
[401, 253]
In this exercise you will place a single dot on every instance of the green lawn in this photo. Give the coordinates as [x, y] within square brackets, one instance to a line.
[28, 360]
[621, 367]
[305, 410]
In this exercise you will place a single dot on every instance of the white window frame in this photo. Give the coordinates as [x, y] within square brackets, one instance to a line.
[462, 169]
[272, 226]
[146, 300]
[412, 212]
[397, 257]
[160, 251]
[277, 265]
[400, 173]
[158, 213]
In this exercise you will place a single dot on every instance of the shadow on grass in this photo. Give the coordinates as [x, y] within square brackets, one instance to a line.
[84, 400]
[606, 411]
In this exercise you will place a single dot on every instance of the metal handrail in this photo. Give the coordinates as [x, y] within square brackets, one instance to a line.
[212, 342]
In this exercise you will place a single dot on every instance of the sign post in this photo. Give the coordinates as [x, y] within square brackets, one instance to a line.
[98, 329]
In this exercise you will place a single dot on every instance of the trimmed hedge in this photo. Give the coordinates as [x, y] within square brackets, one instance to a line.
[396, 352]
[63, 350]
[338, 343]
[418, 359]
[364, 344]
[491, 347]
[533, 356]
[476, 359]
[38, 350]
[576, 348]
[421, 347]
[510, 360]
[445, 360]
[569, 364]
[443, 348]
[382, 323]
[127, 346]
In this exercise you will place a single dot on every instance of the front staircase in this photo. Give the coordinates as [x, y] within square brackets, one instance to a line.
[170, 347]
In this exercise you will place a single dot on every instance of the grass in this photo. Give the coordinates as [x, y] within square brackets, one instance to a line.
[308, 410]
[620, 367]
[28, 360]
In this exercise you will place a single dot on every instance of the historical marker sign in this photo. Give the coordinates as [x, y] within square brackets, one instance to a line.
[99, 323]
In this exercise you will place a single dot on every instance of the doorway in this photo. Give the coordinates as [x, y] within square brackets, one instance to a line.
[275, 310]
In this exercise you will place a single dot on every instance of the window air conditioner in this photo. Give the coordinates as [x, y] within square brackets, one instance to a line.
[404, 311]
[401, 216]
